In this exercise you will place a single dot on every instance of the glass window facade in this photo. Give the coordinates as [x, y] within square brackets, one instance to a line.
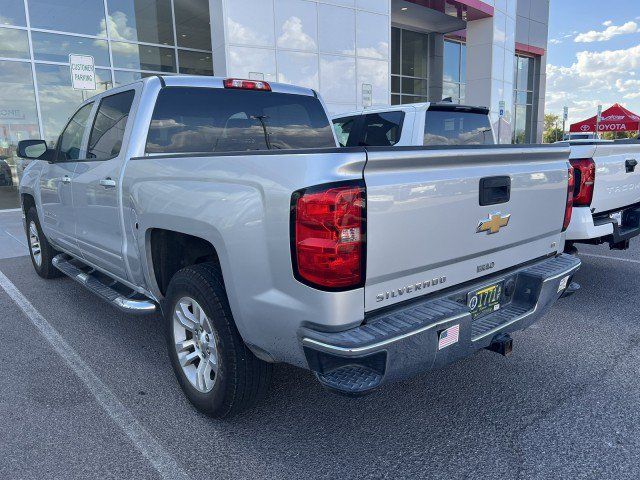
[409, 66]
[12, 13]
[14, 43]
[524, 93]
[454, 71]
[128, 39]
[18, 121]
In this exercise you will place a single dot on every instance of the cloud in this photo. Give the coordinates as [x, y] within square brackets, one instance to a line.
[594, 78]
[607, 34]
[630, 88]
[293, 36]
[555, 41]
[608, 23]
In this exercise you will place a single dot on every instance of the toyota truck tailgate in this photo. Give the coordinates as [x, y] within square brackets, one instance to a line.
[617, 182]
[427, 229]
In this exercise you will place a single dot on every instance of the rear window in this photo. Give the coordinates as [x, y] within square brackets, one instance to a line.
[344, 127]
[190, 120]
[455, 127]
[382, 129]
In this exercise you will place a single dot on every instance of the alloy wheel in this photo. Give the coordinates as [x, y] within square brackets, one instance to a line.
[34, 244]
[196, 344]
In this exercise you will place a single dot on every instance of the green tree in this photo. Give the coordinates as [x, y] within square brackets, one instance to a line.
[618, 135]
[552, 128]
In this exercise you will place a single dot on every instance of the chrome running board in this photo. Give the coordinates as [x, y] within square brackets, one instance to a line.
[110, 290]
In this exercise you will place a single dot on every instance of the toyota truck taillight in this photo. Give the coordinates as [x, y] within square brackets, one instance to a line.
[569, 207]
[585, 176]
[328, 236]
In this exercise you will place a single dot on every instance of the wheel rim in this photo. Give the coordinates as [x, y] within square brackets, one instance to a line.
[34, 244]
[196, 344]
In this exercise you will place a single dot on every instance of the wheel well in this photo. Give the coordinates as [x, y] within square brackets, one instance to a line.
[27, 202]
[172, 251]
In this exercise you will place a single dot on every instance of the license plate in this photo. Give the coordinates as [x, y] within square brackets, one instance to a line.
[485, 300]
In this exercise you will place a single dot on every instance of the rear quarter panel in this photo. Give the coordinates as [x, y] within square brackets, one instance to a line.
[241, 205]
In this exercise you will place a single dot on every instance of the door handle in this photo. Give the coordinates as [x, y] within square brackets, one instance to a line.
[495, 190]
[108, 182]
[630, 165]
[66, 179]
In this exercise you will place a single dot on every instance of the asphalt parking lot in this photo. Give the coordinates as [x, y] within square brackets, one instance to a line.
[564, 405]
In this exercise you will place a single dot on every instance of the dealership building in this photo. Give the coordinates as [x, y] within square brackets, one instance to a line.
[356, 53]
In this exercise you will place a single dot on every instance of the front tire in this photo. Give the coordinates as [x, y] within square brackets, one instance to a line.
[40, 250]
[216, 370]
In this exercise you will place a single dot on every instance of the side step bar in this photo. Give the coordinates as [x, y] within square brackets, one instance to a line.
[110, 290]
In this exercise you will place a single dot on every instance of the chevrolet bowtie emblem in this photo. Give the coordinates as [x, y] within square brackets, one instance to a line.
[493, 224]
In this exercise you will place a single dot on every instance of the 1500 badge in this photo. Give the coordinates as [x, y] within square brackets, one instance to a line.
[410, 289]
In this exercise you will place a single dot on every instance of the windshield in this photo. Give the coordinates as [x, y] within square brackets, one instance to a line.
[190, 120]
[455, 127]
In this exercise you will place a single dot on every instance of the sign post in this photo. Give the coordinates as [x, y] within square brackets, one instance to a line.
[367, 95]
[83, 72]
[565, 117]
[501, 110]
[598, 120]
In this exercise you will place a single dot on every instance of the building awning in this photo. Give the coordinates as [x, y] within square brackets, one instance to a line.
[614, 119]
[441, 16]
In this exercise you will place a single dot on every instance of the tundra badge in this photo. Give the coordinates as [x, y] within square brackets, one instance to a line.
[494, 223]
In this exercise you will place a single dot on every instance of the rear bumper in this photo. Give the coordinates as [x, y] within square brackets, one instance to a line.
[585, 228]
[404, 341]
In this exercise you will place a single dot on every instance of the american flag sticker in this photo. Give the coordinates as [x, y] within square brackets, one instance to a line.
[449, 336]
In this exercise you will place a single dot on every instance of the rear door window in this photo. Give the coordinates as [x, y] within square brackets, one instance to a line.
[109, 125]
[382, 129]
[455, 127]
[203, 120]
[345, 129]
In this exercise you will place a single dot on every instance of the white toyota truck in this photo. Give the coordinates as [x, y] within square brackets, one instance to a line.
[606, 201]
[226, 206]
[415, 124]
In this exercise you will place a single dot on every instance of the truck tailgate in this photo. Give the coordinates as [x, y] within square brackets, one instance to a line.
[423, 215]
[616, 186]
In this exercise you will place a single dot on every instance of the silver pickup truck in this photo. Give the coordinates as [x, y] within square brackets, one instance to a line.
[227, 206]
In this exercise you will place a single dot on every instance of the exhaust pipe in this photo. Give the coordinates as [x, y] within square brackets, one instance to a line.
[502, 344]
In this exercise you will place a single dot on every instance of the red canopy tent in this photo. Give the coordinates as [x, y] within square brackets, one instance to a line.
[614, 119]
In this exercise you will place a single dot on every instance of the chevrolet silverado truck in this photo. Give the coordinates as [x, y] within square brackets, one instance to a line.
[226, 206]
[415, 124]
[606, 201]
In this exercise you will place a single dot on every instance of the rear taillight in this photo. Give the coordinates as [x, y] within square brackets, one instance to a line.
[585, 176]
[328, 236]
[569, 207]
[246, 84]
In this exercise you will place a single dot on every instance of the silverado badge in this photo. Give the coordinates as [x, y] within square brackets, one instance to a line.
[494, 223]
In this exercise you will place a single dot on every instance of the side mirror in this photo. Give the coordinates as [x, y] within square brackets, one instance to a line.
[34, 150]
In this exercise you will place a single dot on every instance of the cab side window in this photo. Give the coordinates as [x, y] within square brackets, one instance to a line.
[107, 133]
[382, 129]
[70, 142]
[344, 127]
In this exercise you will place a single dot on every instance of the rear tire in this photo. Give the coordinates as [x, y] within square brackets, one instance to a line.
[40, 250]
[216, 370]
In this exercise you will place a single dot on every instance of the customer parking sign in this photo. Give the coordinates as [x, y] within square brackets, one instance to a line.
[83, 72]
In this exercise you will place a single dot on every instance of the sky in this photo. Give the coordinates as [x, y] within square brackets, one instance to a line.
[593, 56]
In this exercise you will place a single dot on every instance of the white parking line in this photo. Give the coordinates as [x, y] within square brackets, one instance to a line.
[608, 257]
[161, 460]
